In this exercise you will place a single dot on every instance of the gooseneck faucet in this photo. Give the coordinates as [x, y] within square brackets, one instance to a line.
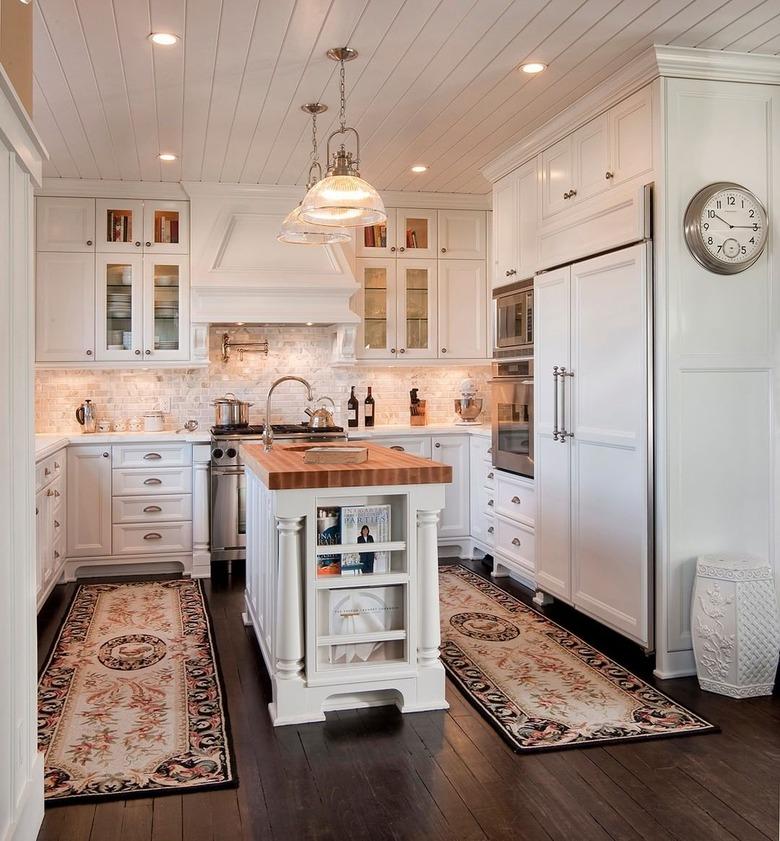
[268, 433]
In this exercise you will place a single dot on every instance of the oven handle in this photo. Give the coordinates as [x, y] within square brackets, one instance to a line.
[227, 472]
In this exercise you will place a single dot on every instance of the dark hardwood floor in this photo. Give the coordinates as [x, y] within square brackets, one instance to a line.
[447, 776]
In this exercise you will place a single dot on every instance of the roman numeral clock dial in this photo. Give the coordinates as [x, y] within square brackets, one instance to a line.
[725, 227]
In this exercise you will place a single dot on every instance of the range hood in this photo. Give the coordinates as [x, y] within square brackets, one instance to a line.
[241, 272]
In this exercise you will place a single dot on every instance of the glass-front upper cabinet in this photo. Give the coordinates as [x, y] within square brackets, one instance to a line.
[166, 227]
[377, 308]
[119, 307]
[377, 240]
[416, 233]
[166, 307]
[417, 292]
[119, 225]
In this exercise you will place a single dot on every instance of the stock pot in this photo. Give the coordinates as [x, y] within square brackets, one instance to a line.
[230, 411]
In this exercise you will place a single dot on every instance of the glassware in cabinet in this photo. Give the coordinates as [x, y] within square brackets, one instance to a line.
[166, 307]
[119, 307]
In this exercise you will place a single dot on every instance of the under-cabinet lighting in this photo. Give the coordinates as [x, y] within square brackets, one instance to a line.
[533, 67]
[163, 39]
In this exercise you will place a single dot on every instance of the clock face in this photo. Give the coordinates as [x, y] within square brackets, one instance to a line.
[725, 228]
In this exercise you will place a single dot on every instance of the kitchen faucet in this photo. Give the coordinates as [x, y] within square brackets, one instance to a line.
[268, 433]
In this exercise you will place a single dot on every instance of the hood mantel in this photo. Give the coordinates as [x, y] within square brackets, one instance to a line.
[241, 272]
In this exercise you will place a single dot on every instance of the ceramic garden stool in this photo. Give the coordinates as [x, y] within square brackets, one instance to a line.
[735, 625]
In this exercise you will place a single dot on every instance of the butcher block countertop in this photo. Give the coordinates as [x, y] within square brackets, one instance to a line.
[283, 469]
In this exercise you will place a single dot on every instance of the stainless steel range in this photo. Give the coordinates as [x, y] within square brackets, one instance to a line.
[228, 482]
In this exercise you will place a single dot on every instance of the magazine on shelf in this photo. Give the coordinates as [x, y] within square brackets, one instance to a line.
[365, 524]
[328, 534]
[364, 611]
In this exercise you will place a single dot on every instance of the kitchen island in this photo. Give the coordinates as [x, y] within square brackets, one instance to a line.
[338, 626]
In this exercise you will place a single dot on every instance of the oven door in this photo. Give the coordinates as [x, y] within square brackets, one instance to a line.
[513, 425]
[228, 514]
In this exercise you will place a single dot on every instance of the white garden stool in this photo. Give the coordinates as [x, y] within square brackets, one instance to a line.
[735, 625]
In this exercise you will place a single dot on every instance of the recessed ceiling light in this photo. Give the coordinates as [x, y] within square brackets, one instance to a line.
[533, 67]
[419, 168]
[167, 156]
[164, 39]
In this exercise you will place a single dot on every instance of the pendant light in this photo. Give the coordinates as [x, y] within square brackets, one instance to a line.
[294, 229]
[343, 199]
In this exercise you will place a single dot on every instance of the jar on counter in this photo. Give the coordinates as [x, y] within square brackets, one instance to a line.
[153, 422]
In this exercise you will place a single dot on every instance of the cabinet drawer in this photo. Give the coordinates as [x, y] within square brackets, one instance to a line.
[57, 554]
[151, 509]
[516, 541]
[515, 499]
[152, 538]
[151, 455]
[165, 480]
[416, 445]
[48, 469]
[483, 527]
[56, 494]
[481, 448]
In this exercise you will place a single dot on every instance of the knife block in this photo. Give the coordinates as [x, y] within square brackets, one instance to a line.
[418, 415]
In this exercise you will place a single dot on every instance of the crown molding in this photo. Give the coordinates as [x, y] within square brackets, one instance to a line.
[658, 60]
[105, 189]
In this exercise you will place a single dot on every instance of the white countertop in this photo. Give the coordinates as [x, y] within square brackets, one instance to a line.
[393, 430]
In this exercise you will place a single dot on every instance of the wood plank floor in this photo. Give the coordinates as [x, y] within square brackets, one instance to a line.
[447, 776]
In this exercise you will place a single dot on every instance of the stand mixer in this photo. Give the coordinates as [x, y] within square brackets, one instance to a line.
[468, 405]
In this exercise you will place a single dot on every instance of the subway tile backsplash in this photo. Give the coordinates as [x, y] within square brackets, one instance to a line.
[303, 351]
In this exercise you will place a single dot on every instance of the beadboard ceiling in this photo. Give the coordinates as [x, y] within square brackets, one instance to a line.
[436, 81]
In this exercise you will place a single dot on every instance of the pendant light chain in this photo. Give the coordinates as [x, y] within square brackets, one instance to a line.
[343, 96]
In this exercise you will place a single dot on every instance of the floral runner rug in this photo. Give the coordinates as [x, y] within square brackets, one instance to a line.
[131, 702]
[541, 687]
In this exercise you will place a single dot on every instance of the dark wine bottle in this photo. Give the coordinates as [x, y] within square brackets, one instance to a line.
[369, 409]
[352, 410]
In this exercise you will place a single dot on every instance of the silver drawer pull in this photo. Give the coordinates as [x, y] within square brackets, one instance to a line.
[56, 554]
[153, 535]
[397, 447]
[46, 471]
[515, 541]
[56, 524]
[153, 481]
[152, 457]
[490, 503]
[490, 529]
[491, 475]
[516, 500]
[152, 509]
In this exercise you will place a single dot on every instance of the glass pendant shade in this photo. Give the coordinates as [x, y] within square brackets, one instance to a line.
[298, 231]
[343, 201]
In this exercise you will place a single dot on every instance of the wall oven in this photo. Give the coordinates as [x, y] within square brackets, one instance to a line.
[513, 308]
[513, 416]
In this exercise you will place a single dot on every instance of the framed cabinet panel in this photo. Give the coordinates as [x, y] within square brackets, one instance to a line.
[65, 307]
[119, 225]
[527, 227]
[65, 224]
[631, 136]
[416, 287]
[89, 501]
[462, 234]
[454, 519]
[557, 176]
[119, 307]
[416, 233]
[462, 310]
[167, 227]
[506, 260]
[377, 307]
[591, 159]
[166, 307]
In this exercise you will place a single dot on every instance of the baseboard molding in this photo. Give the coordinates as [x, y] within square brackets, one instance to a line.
[673, 664]
[30, 812]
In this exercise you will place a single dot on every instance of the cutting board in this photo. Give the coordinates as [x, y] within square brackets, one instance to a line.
[335, 455]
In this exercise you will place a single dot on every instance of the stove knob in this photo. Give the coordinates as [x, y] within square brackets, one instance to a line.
[217, 453]
[231, 453]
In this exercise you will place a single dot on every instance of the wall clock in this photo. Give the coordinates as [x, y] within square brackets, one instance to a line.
[725, 227]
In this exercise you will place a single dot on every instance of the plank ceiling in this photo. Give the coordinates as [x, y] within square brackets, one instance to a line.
[436, 81]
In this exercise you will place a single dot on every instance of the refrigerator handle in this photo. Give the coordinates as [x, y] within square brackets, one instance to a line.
[562, 433]
[555, 402]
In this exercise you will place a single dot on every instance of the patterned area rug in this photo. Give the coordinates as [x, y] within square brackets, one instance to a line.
[131, 702]
[540, 686]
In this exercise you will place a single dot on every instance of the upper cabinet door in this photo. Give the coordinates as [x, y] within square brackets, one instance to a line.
[557, 176]
[120, 225]
[167, 227]
[65, 307]
[505, 225]
[65, 224]
[462, 310]
[631, 136]
[590, 147]
[462, 234]
[527, 231]
[377, 240]
[417, 296]
[376, 306]
[166, 308]
[119, 308]
[415, 234]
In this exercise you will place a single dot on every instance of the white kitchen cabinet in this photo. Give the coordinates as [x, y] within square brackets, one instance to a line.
[417, 294]
[166, 307]
[65, 224]
[119, 306]
[377, 305]
[89, 500]
[592, 481]
[516, 225]
[65, 307]
[558, 176]
[377, 240]
[462, 234]
[462, 310]
[454, 520]
[50, 527]
[631, 137]
[590, 150]
[166, 227]
[416, 445]
[42, 543]
[119, 225]
[416, 233]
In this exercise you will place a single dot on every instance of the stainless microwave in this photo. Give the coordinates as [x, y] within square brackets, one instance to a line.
[513, 327]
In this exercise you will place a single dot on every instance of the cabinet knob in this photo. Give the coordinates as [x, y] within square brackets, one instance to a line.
[56, 524]
[566, 195]
[402, 350]
[490, 503]
[137, 244]
[402, 248]
[56, 554]
[490, 450]
[491, 529]
[89, 242]
[89, 353]
[392, 248]
[105, 455]
[516, 500]
[609, 175]
[437, 444]
[572, 193]
[148, 353]
[50, 492]
[515, 541]
[491, 475]
[148, 244]
[56, 493]
[444, 251]
[138, 353]
[46, 471]
[392, 350]
[444, 350]
[510, 272]
[56, 466]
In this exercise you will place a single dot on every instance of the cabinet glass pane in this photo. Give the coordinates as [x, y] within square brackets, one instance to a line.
[119, 225]
[166, 307]
[119, 306]
[375, 236]
[166, 226]
[416, 315]
[416, 233]
[375, 307]
[373, 612]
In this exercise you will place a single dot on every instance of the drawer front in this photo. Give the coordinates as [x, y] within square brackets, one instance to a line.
[515, 499]
[481, 448]
[416, 445]
[516, 542]
[56, 492]
[151, 509]
[484, 475]
[483, 527]
[151, 455]
[152, 538]
[49, 469]
[58, 552]
[151, 482]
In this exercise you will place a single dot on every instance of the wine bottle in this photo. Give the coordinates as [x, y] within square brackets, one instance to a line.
[369, 409]
[352, 410]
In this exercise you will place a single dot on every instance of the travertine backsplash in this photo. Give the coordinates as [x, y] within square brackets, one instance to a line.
[304, 351]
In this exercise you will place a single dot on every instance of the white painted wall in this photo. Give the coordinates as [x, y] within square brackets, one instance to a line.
[716, 346]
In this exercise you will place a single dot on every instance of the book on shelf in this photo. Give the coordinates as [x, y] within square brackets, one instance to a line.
[365, 524]
[375, 236]
[328, 534]
[364, 610]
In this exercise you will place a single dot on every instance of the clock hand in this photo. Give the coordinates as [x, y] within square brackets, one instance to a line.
[750, 227]
[724, 221]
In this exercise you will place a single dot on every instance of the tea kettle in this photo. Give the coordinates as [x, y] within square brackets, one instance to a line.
[87, 416]
[321, 418]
